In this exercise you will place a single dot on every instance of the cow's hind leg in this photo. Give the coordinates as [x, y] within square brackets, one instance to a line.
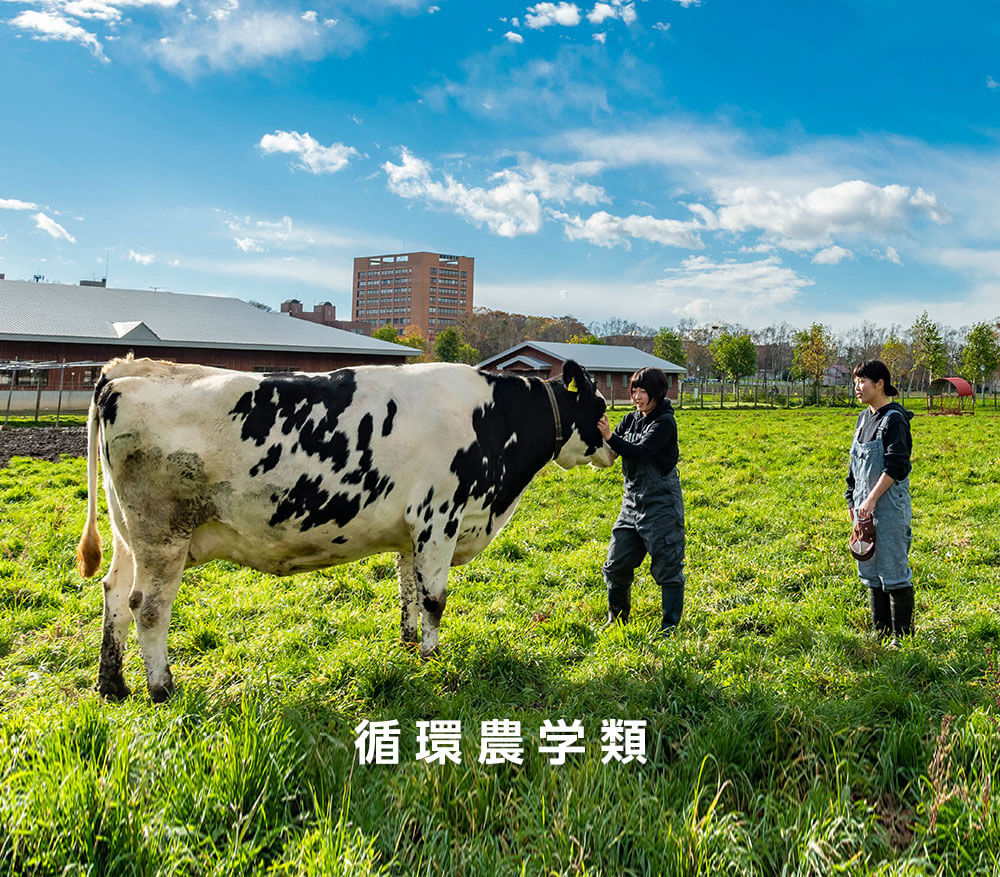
[117, 584]
[158, 572]
[409, 610]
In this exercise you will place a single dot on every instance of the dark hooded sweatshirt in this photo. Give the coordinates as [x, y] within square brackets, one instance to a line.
[896, 442]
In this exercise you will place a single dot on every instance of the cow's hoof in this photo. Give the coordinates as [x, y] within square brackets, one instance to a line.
[114, 689]
[162, 693]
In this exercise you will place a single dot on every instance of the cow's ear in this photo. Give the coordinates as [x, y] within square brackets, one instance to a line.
[576, 379]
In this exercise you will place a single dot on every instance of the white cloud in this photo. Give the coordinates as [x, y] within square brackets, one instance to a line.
[261, 235]
[576, 77]
[704, 289]
[513, 204]
[552, 181]
[892, 256]
[512, 37]
[687, 3]
[227, 8]
[545, 14]
[15, 204]
[811, 220]
[662, 25]
[53, 228]
[508, 210]
[605, 230]
[248, 245]
[53, 26]
[991, 83]
[242, 39]
[600, 12]
[601, 38]
[832, 256]
[141, 258]
[615, 9]
[313, 157]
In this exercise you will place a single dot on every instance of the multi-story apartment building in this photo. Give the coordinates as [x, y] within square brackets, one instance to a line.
[429, 290]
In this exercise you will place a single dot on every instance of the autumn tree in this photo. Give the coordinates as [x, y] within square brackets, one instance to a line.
[893, 353]
[813, 354]
[413, 337]
[386, 333]
[490, 331]
[586, 338]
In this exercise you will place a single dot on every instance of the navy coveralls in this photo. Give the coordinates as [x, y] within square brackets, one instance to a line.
[652, 516]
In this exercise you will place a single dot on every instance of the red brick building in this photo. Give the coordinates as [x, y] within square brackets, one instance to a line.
[429, 290]
[325, 313]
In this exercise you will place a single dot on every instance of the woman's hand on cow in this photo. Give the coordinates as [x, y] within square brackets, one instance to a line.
[604, 428]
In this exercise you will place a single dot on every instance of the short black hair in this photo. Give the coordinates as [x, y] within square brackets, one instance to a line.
[876, 370]
[652, 380]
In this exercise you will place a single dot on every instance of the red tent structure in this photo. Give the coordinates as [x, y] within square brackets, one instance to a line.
[951, 396]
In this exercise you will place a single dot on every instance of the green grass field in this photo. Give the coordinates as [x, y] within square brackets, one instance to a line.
[780, 738]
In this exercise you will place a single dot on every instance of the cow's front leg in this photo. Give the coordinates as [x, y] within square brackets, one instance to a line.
[409, 610]
[430, 566]
[157, 578]
[117, 583]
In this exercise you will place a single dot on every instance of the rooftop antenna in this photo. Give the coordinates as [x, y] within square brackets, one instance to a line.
[107, 259]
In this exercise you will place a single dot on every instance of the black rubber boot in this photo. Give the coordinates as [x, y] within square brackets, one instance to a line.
[617, 613]
[672, 602]
[902, 611]
[881, 611]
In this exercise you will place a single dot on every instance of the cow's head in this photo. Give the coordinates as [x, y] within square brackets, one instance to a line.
[585, 405]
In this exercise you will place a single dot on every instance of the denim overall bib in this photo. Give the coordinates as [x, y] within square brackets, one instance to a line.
[889, 568]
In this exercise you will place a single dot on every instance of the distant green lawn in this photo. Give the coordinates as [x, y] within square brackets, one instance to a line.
[780, 737]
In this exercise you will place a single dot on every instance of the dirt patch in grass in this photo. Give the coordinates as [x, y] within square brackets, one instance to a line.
[47, 443]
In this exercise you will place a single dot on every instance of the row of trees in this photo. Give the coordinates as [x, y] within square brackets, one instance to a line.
[915, 355]
[921, 353]
[448, 345]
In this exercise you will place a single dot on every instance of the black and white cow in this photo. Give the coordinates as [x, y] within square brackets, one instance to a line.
[293, 472]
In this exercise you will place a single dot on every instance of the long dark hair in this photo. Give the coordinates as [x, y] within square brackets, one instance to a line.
[876, 370]
[652, 380]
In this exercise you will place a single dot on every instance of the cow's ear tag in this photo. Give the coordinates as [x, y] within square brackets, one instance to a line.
[572, 387]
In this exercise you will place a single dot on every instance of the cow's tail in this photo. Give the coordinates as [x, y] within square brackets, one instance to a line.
[88, 552]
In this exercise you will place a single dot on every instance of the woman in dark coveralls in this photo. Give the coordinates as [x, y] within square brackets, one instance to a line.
[652, 516]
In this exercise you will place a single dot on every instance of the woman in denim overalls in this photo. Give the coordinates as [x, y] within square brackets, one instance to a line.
[878, 486]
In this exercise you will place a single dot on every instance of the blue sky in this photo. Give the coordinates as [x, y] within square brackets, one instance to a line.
[653, 160]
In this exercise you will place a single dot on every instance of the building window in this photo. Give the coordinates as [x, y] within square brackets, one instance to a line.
[31, 378]
[625, 382]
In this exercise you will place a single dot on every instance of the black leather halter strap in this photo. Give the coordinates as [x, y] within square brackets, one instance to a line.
[555, 416]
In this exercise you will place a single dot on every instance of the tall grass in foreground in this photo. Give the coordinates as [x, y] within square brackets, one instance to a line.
[781, 739]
